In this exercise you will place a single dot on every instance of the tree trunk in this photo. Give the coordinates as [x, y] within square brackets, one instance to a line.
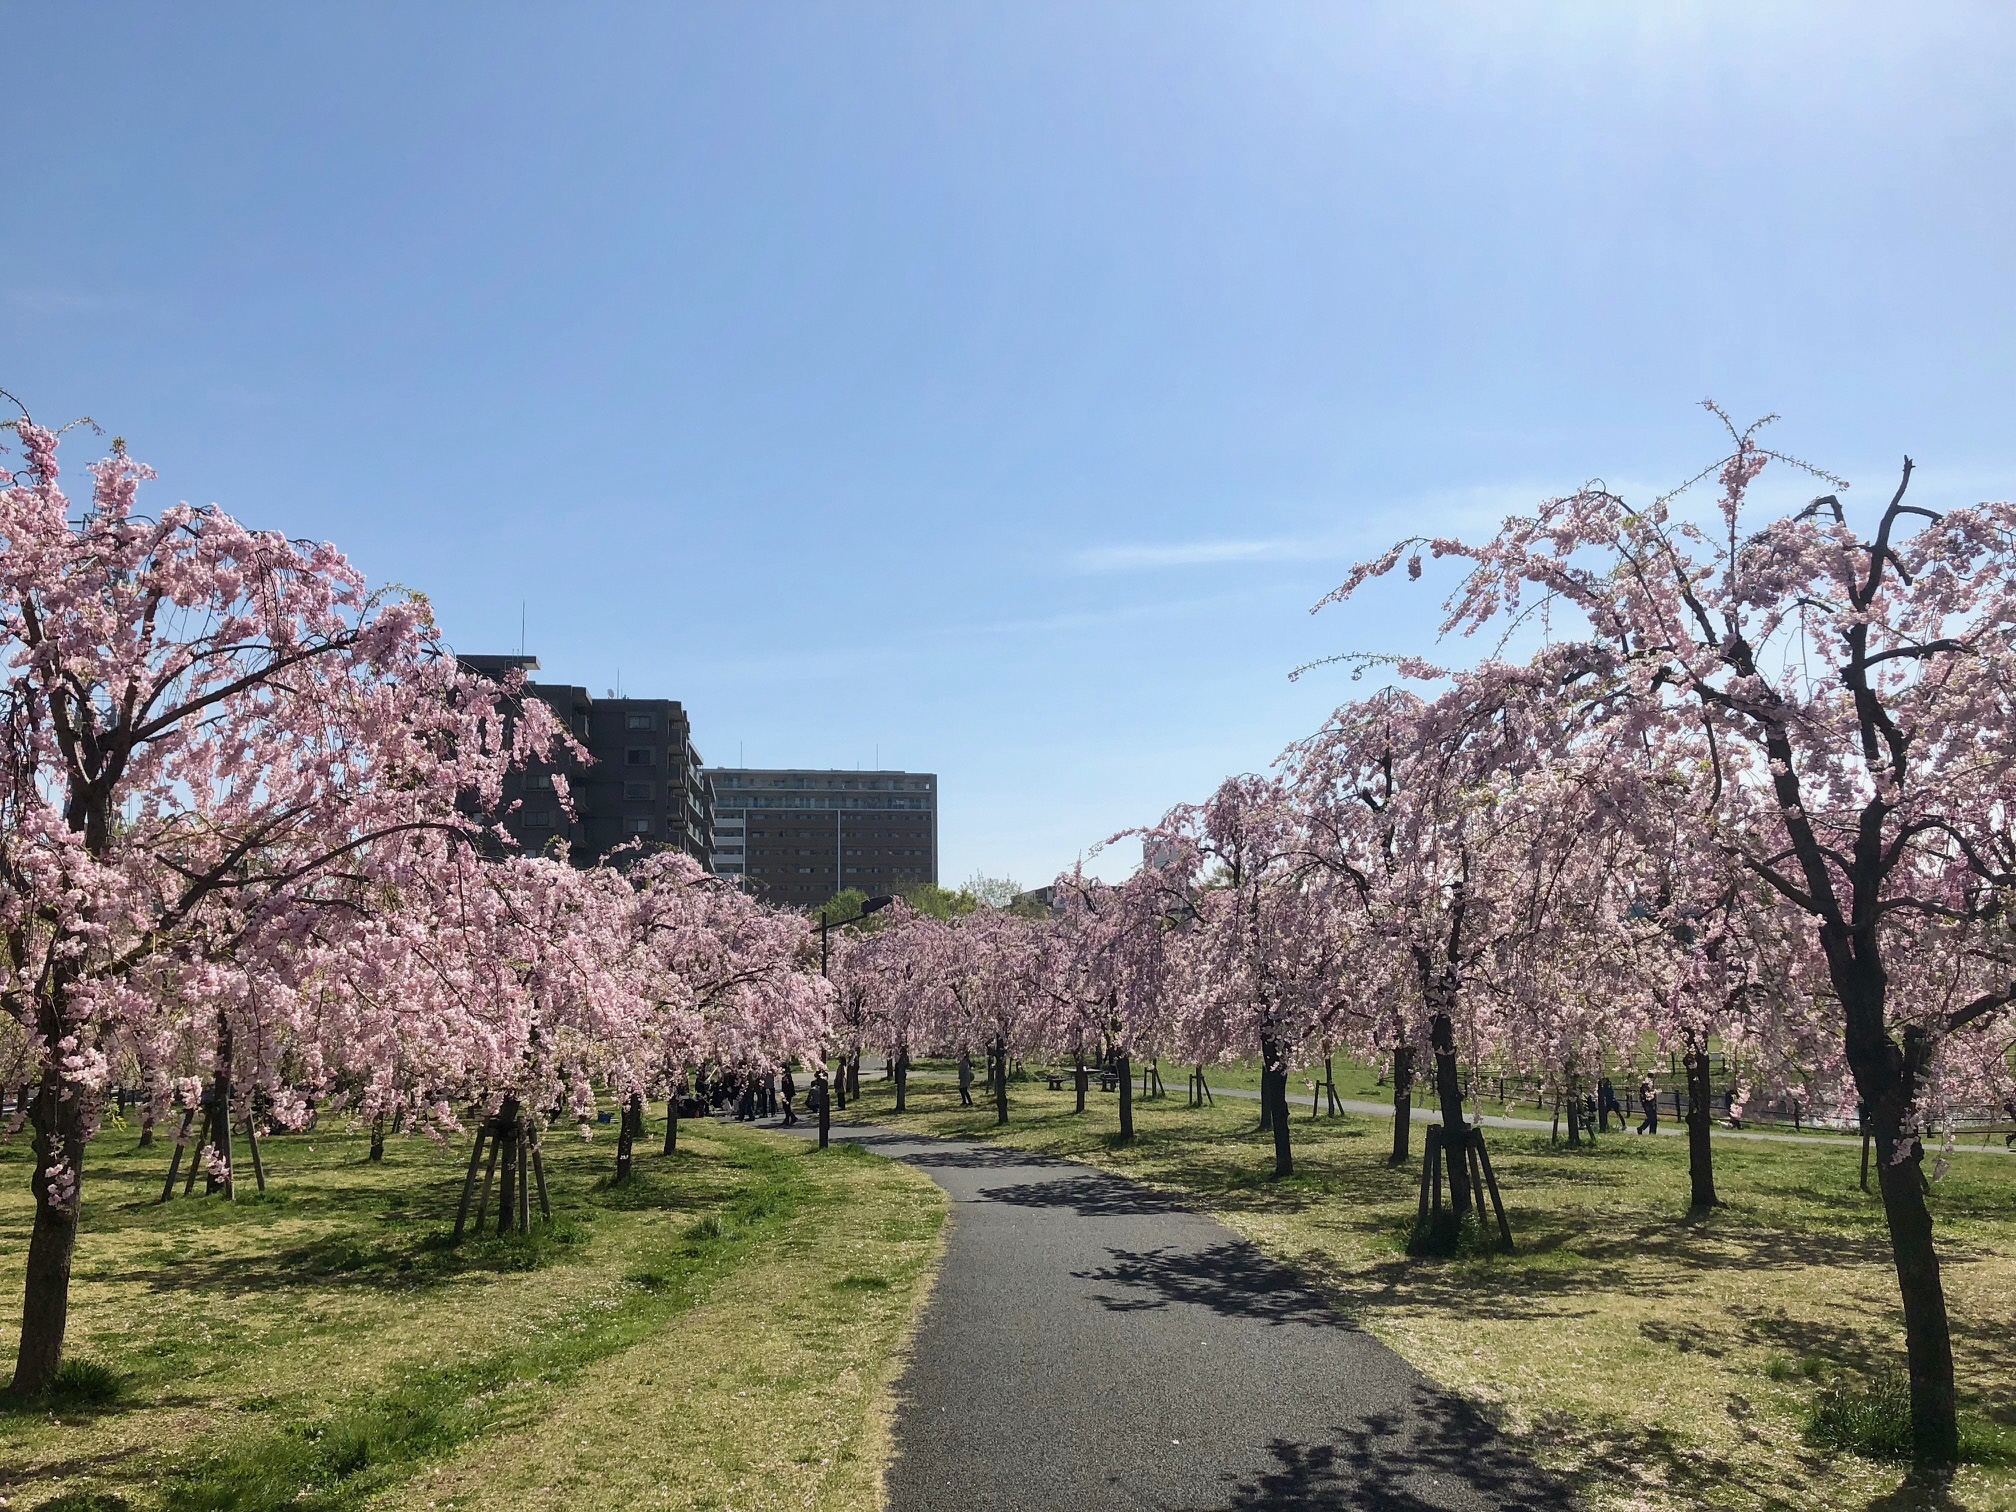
[1078, 1079]
[1274, 1101]
[147, 1125]
[507, 1187]
[1000, 1080]
[1449, 1090]
[377, 1139]
[1125, 1065]
[1886, 1076]
[220, 1118]
[901, 1067]
[1700, 1145]
[672, 1123]
[626, 1139]
[1571, 1094]
[1403, 1102]
[58, 1185]
[854, 1076]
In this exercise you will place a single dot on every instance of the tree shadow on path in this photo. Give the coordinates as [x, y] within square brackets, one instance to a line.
[1091, 1196]
[1232, 1279]
[1434, 1455]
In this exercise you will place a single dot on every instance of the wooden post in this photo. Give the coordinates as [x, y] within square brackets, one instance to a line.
[202, 1139]
[1438, 1139]
[1491, 1185]
[525, 1180]
[489, 1173]
[252, 1143]
[539, 1175]
[175, 1160]
[1428, 1165]
[469, 1185]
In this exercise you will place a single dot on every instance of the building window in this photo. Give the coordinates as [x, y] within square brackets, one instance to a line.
[640, 756]
[540, 819]
[638, 826]
[539, 781]
[638, 790]
[639, 722]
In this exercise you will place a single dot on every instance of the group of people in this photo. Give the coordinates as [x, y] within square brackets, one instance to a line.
[750, 1095]
[1600, 1105]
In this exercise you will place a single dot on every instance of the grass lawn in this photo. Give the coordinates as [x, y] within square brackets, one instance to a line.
[719, 1332]
[1659, 1363]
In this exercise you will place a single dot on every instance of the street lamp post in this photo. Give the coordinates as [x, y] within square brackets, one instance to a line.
[836, 1085]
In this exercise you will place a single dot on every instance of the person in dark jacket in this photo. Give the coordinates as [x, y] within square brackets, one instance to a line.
[1648, 1102]
[965, 1079]
[790, 1091]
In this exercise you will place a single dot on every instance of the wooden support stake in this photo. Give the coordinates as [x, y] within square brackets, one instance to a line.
[468, 1185]
[539, 1175]
[252, 1143]
[524, 1183]
[202, 1139]
[1491, 1184]
[489, 1173]
[175, 1160]
[1427, 1166]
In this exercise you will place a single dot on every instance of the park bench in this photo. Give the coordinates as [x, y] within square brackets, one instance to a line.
[1106, 1080]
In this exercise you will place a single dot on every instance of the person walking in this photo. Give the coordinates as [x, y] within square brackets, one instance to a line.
[1648, 1099]
[1607, 1104]
[790, 1091]
[965, 1079]
[818, 1104]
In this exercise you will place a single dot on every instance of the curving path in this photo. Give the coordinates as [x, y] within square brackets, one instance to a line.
[1092, 1344]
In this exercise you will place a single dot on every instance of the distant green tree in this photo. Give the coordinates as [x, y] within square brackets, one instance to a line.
[992, 892]
[843, 905]
[939, 902]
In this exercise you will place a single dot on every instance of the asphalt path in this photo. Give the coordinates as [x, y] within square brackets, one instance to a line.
[1093, 1344]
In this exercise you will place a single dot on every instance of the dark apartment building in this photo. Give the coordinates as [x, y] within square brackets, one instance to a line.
[800, 836]
[643, 784]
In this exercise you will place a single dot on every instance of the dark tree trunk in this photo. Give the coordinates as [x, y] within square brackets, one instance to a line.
[1078, 1079]
[377, 1139]
[1572, 1094]
[507, 1186]
[901, 1067]
[626, 1139]
[1403, 1102]
[1449, 1090]
[1274, 1100]
[854, 1076]
[58, 1122]
[1700, 1144]
[1125, 1065]
[837, 1093]
[1000, 1080]
[672, 1123]
[1886, 1076]
[147, 1125]
[220, 1118]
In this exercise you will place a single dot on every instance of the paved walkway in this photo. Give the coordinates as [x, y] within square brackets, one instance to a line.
[1091, 1344]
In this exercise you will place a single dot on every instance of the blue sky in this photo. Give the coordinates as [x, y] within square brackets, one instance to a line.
[992, 387]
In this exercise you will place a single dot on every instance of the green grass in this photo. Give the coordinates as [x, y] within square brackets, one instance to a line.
[322, 1347]
[1659, 1360]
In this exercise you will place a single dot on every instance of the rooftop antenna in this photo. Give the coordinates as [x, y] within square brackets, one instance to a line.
[521, 627]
